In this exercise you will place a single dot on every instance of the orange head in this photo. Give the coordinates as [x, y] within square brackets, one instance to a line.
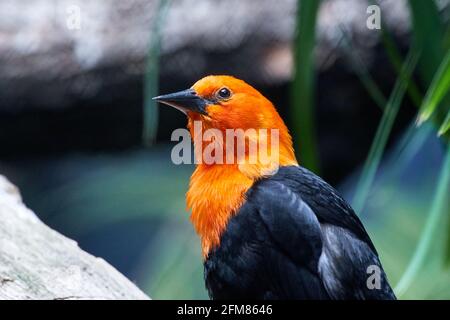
[217, 189]
[224, 102]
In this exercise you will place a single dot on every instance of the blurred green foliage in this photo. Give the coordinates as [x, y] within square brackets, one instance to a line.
[437, 91]
[398, 208]
[426, 249]
[150, 121]
[302, 91]
[429, 38]
[380, 140]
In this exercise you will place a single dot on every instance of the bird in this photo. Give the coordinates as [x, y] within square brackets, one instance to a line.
[269, 230]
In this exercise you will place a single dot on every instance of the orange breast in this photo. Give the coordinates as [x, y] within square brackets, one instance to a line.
[215, 195]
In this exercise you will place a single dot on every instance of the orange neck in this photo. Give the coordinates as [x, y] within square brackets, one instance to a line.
[217, 191]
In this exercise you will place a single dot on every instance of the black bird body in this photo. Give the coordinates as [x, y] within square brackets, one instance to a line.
[294, 238]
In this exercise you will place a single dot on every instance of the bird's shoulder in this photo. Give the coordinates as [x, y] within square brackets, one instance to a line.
[325, 201]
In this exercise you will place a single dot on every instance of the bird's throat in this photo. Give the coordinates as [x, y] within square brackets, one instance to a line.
[215, 194]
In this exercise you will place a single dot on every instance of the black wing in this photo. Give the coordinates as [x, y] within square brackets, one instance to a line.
[295, 238]
[269, 250]
[315, 228]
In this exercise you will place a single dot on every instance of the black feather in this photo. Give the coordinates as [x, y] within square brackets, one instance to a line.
[294, 238]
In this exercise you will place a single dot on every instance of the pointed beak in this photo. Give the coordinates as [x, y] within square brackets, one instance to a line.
[186, 100]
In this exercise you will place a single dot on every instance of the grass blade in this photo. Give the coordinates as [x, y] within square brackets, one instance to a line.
[150, 121]
[382, 134]
[363, 74]
[445, 126]
[302, 91]
[428, 36]
[396, 61]
[436, 92]
[439, 207]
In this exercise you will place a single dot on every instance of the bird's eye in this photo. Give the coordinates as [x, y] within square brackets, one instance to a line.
[224, 93]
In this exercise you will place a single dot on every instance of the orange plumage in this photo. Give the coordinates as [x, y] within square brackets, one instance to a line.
[217, 191]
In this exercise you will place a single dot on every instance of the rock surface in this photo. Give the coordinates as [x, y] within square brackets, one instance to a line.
[37, 262]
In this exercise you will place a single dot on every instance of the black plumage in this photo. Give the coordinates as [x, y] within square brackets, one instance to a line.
[294, 238]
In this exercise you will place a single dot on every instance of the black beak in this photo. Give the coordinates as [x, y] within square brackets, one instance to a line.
[186, 100]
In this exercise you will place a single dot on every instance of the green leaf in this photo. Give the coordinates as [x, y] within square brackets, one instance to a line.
[395, 59]
[428, 35]
[363, 73]
[436, 92]
[445, 126]
[302, 90]
[150, 121]
[376, 151]
[438, 208]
